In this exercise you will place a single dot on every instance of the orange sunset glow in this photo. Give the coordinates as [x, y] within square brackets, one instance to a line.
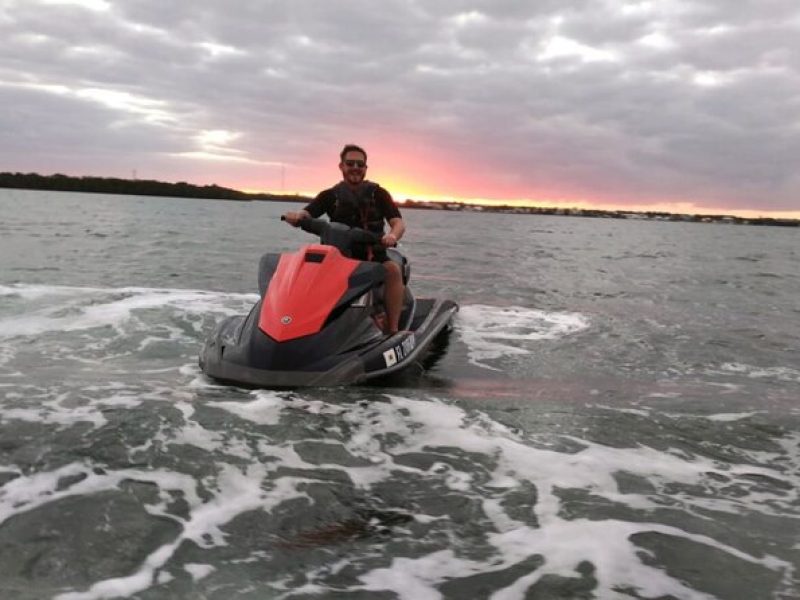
[420, 176]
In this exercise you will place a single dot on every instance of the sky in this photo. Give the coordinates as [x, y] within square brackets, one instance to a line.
[676, 105]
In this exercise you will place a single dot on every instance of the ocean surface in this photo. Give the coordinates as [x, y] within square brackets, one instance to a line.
[616, 415]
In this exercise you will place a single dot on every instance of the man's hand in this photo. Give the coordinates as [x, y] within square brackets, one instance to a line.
[396, 230]
[294, 218]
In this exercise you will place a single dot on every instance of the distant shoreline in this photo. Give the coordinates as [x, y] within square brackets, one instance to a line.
[133, 187]
[603, 214]
[148, 187]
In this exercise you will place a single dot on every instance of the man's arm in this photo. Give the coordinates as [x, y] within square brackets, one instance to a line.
[391, 213]
[396, 231]
[313, 209]
[294, 218]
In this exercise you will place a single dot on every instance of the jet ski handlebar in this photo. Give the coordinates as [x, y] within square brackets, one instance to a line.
[338, 234]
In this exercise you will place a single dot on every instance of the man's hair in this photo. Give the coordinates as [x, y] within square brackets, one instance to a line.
[352, 148]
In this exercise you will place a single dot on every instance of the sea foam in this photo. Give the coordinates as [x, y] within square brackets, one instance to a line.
[495, 332]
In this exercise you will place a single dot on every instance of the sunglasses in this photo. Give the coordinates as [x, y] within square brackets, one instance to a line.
[356, 163]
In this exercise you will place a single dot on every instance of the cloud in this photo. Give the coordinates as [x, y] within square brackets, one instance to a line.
[618, 102]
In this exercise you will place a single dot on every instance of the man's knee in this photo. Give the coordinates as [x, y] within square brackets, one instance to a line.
[392, 269]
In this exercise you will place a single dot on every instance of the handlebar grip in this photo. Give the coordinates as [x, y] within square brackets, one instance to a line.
[283, 217]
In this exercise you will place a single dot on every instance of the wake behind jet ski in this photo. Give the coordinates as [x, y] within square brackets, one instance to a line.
[318, 321]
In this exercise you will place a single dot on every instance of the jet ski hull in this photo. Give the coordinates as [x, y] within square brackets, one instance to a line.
[240, 354]
[317, 322]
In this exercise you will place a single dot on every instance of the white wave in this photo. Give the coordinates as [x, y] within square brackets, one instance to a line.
[381, 435]
[65, 409]
[639, 412]
[28, 492]
[421, 425]
[730, 417]
[236, 492]
[76, 309]
[418, 426]
[776, 373]
[35, 292]
[563, 543]
[264, 410]
[495, 332]
[198, 571]
[648, 413]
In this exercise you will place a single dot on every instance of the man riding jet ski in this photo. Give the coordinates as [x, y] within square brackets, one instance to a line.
[319, 319]
[357, 202]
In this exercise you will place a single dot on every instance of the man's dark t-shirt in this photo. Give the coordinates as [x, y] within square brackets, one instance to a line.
[368, 207]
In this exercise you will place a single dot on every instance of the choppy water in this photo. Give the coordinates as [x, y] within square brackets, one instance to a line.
[616, 415]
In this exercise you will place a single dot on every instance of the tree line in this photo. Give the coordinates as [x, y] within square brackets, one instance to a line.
[137, 187]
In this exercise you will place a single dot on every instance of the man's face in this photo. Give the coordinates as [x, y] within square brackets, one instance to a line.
[353, 167]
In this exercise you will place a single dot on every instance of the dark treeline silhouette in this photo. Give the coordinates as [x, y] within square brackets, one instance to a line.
[137, 187]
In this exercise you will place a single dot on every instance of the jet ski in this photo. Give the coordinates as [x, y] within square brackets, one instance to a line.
[317, 322]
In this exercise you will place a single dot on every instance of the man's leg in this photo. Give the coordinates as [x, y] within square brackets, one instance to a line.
[393, 295]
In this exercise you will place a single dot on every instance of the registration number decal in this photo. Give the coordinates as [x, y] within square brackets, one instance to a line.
[394, 355]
